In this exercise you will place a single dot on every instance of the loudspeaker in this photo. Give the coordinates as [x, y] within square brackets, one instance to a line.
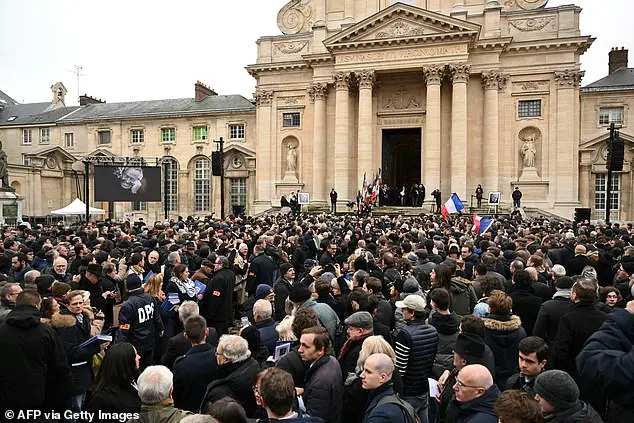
[581, 214]
[216, 163]
[616, 155]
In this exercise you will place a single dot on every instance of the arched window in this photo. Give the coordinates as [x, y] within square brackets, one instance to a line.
[171, 179]
[202, 198]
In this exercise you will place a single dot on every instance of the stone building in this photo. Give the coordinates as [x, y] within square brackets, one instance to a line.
[608, 100]
[450, 93]
[45, 143]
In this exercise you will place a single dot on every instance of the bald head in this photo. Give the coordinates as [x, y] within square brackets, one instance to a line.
[377, 370]
[476, 375]
[382, 363]
[533, 272]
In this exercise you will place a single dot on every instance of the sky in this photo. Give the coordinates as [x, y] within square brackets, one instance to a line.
[154, 49]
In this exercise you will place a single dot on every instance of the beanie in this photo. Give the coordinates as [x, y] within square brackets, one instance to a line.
[558, 388]
[60, 289]
[299, 293]
[470, 346]
[564, 282]
[133, 281]
[262, 291]
[628, 267]
[285, 267]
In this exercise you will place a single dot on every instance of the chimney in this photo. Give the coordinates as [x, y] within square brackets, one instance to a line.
[618, 59]
[201, 91]
[85, 100]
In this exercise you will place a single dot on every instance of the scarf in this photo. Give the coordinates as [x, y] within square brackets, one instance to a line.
[186, 287]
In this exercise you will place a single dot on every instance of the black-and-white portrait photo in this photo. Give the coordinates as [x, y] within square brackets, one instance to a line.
[129, 183]
[494, 198]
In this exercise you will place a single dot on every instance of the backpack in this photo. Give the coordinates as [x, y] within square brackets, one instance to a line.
[408, 410]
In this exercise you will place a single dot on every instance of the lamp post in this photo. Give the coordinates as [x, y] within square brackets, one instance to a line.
[220, 172]
[614, 135]
[87, 188]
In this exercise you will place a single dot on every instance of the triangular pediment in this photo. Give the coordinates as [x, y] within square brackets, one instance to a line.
[601, 140]
[239, 148]
[402, 22]
[52, 151]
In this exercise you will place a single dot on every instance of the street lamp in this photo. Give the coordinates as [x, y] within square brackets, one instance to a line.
[217, 169]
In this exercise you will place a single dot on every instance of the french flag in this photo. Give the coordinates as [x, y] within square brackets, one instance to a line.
[481, 224]
[453, 205]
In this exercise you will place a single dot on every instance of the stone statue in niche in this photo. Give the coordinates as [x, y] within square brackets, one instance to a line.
[529, 151]
[291, 159]
[4, 169]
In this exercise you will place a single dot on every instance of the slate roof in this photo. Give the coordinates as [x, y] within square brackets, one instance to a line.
[622, 79]
[6, 100]
[159, 108]
[32, 114]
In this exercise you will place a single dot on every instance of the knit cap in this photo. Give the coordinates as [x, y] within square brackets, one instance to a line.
[558, 388]
[133, 281]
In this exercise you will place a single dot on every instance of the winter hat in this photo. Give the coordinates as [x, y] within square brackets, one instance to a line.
[329, 276]
[299, 293]
[262, 291]
[44, 283]
[628, 267]
[360, 319]
[558, 388]
[133, 281]
[470, 347]
[285, 267]
[95, 269]
[412, 258]
[60, 289]
[252, 335]
[411, 285]
[564, 282]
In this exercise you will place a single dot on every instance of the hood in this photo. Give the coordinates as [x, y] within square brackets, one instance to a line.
[497, 323]
[63, 320]
[24, 317]
[483, 404]
[446, 324]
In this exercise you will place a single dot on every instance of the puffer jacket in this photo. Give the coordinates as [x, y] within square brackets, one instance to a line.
[416, 348]
[503, 335]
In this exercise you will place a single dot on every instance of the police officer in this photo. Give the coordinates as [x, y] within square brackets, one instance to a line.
[139, 321]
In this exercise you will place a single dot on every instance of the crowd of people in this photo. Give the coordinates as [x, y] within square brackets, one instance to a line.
[318, 318]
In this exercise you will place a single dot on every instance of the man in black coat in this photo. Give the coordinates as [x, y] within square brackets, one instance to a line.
[32, 357]
[525, 302]
[606, 362]
[576, 264]
[261, 270]
[575, 328]
[217, 306]
[360, 326]
[196, 369]
[551, 312]
[333, 201]
[282, 289]
[90, 281]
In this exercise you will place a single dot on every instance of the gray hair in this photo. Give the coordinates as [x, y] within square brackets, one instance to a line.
[109, 267]
[234, 348]
[187, 310]
[30, 276]
[589, 272]
[7, 289]
[223, 260]
[173, 257]
[263, 308]
[155, 384]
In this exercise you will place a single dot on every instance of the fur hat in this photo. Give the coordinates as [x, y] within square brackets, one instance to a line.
[558, 388]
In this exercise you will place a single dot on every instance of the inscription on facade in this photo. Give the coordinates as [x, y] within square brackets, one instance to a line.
[382, 56]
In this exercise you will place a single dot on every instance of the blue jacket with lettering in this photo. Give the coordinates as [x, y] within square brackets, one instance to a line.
[139, 321]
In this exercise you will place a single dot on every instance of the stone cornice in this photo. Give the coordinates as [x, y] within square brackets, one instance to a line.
[423, 39]
[493, 44]
[580, 44]
[255, 70]
[318, 59]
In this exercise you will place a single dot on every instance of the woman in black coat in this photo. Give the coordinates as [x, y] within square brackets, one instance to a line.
[115, 386]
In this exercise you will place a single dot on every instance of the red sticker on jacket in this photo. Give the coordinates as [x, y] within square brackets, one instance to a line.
[125, 326]
[216, 293]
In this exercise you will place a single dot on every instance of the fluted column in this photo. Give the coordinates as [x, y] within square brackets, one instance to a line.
[342, 131]
[492, 82]
[263, 148]
[567, 169]
[365, 142]
[431, 136]
[460, 77]
[318, 93]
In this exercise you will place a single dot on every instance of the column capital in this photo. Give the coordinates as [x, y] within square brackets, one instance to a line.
[263, 97]
[342, 80]
[568, 78]
[366, 78]
[460, 72]
[318, 91]
[494, 80]
[433, 74]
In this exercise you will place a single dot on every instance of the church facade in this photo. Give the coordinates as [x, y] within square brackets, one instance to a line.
[448, 93]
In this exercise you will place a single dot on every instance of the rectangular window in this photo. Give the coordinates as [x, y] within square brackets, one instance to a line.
[139, 205]
[45, 135]
[171, 174]
[138, 136]
[69, 140]
[290, 120]
[608, 115]
[202, 186]
[600, 195]
[103, 137]
[236, 132]
[27, 137]
[168, 135]
[26, 161]
[529, 108]
[200, 133]
[239, 192]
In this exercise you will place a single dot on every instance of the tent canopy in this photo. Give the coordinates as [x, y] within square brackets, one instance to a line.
[77, 207]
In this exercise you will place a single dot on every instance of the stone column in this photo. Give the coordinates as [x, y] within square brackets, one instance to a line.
[491, 82]
[431, 136]
[318, 93]
[342, 134]
[349, 10]
[263, 147]
[567, 169]
[365, 143]
[460, 77]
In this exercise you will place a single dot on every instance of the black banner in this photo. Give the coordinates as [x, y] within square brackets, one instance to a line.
[113, 183]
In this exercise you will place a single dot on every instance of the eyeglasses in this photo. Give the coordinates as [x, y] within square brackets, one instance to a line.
[462, 385]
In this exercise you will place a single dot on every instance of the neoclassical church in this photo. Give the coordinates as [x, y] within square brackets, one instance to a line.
[450, 93]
